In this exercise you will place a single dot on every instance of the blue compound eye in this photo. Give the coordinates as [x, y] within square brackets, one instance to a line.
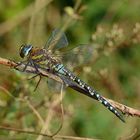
[25, 50]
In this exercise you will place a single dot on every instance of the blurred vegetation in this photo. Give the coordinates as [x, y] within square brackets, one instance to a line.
[112, 27]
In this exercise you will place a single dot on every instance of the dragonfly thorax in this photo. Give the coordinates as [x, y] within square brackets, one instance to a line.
[25, 50]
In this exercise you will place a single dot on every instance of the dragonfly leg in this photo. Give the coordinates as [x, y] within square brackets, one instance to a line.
[26, 65]
[29, 62]
[38, 82]
[38, 74]
[35, 66]
[23, 62]
[33, 77]
[40, 77]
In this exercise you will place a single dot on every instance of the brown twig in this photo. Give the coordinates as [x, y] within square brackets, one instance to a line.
[29, 69]
[131, 136]
[22, 131]
[49, 117]
[34, 111]
[56, 101]
[123, 108]
[45, 135]
[73, 138]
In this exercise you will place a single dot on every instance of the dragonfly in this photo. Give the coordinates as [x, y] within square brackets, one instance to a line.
[45, 58]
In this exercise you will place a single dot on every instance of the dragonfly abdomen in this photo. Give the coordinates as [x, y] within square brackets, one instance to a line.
[93, 93]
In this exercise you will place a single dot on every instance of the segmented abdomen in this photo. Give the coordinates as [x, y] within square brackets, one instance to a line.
[59, 68]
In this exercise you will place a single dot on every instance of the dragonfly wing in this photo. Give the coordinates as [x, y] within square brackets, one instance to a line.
[77, 56]
[56, 40]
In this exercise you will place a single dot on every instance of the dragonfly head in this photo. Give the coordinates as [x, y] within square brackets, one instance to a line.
[25, 50]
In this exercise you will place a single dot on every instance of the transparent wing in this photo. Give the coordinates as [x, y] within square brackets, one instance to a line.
[56, 40]
[71, 57]
[78, 56]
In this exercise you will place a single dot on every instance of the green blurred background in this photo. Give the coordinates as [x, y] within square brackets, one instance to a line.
[112, 27]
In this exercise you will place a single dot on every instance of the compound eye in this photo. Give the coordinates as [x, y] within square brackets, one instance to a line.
[25, 50]
[21, 51]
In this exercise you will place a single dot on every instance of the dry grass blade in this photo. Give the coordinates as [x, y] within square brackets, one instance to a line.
[19, 18]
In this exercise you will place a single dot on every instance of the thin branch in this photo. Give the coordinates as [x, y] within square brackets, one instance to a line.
[45, 135]
[23, 131]
[123, 108]
[73, 138]
[45, 128]
[35, 111]
[131, 136]
[29, 69]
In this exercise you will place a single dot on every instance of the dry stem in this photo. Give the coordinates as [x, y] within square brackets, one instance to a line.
[23, 15]
[123, 108]
[45, 135]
